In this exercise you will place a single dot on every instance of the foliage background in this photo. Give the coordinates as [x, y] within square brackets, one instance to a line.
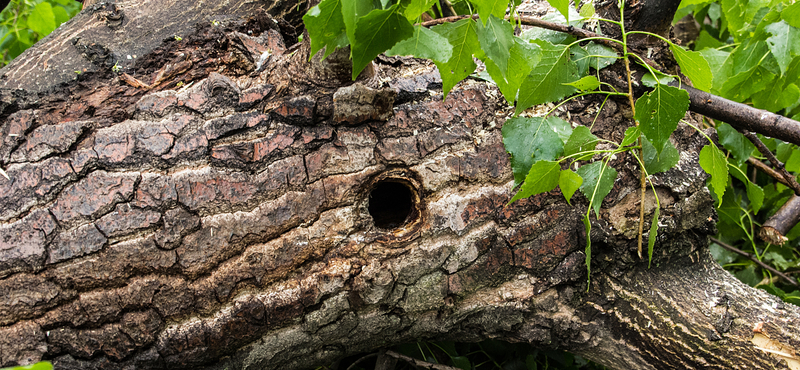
[24, 22]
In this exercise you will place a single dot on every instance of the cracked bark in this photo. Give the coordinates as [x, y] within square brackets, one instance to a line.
[222, 220]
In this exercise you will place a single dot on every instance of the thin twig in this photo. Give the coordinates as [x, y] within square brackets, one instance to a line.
[419, 363]
[353, 365]
[775, 162]
[767, 170]
[754, 259]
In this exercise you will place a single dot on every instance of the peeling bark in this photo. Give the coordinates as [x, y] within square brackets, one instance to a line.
[231, 217]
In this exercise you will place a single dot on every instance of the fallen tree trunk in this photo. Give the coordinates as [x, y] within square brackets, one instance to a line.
[230, 205]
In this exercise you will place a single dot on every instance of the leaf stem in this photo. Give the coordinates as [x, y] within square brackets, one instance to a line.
[607, 93]
[642, 177]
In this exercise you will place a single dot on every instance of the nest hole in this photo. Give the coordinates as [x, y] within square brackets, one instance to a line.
[391, 204]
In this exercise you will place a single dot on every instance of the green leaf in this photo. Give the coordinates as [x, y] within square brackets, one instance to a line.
[352, 11]
[713, 161]
[487, 8]
[544, 83]
[694, 66]
[377, 32]
[415, 8]
[791, 14]
[651, 237]
[631, 135]
[746, 71]
[707, 42]
[461, 362]
[532, 139]
[587, 227]
[776, 98]
[523, 57]
[542, 177]
[462, 35]
[569, 182]
[325, 26]
[716, 59]
[42, 365]
[580, 57]
[496, 39]
[756, 196]
[658, 113]
[748, 275]
[598, 179]
[739, 146]
[783, 43]
[745, 84]
[660, 78]
[42, 20]
[793, 163]
[587, 83]
[562, 6]
[601, 56]
[581, 140]
[587, 10]
[61, 15]
[424, 44]
[655, 162]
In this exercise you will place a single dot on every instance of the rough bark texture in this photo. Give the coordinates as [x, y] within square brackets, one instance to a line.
[284, 217]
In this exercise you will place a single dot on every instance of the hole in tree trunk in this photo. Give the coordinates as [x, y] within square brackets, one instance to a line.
[390, 204]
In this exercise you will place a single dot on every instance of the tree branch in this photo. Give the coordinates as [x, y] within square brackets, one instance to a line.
[754, 259]
[775, 229]
[767, 170]
[790, 180]
[743, 117]
[419, 363]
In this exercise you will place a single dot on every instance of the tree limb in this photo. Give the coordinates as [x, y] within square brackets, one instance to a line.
[419, 363]
[775, 229]
[743, 117]
[767, 170]
[754, 259]
[790, 180]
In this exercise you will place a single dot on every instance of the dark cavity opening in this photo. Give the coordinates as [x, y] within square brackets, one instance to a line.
[390, 204]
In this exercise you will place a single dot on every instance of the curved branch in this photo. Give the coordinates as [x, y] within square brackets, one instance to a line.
[754, 259]
[743, 117]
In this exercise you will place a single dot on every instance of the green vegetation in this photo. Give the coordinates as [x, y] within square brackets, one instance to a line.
[754, 56]
[43, 365]
[24, 22]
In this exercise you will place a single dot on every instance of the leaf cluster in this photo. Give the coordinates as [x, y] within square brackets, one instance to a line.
[24, 22]
[753, 52]
[41, 365]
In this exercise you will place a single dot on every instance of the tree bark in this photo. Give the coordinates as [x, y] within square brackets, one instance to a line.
[252, 210]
